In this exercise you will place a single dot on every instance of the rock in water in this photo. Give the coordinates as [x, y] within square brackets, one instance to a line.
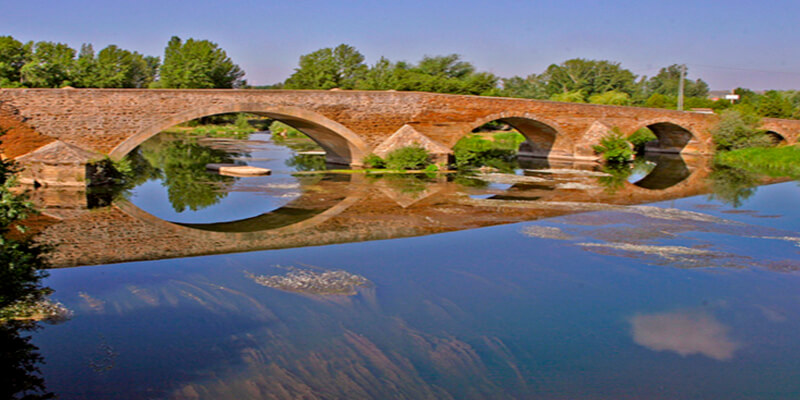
[238, 170]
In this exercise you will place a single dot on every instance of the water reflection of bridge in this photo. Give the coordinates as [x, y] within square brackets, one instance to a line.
[350, 208]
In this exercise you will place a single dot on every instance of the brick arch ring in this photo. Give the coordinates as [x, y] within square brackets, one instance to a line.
[341, 145]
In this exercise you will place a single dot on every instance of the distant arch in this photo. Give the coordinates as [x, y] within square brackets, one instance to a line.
[543, 138]
[671, 136]
[776, 138]
[341, 145]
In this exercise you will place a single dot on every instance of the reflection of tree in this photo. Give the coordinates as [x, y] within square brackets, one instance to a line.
[183, 165]
[732, 185]
[19, 361]
[22, 267]
[617, 177]
[307, 162]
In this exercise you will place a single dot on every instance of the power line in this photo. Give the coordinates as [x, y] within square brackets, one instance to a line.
[745, 69]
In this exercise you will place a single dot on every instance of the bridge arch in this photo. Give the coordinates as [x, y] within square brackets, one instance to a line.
[672, 136]
[341, 145]
[777, 138]
[544, 138]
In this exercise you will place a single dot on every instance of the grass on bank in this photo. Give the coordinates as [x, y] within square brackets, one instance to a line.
[771, 161]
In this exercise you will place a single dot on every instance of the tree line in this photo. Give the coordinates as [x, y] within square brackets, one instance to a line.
[197, 64]
[190, 64]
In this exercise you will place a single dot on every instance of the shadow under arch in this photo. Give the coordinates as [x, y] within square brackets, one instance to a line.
[341, 145]
[671, 137]
[310, 209]
[543, 138]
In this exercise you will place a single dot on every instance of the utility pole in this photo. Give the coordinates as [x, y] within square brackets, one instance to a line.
[680, 87]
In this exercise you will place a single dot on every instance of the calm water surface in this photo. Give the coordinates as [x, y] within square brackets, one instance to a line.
[688, 297]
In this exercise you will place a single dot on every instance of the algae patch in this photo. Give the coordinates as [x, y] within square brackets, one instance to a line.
[326, 282]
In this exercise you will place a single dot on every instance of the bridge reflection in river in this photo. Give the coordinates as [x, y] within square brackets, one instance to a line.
[353, 208]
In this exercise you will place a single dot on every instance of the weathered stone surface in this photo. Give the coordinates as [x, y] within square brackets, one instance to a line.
[408, 136]
[56, 164]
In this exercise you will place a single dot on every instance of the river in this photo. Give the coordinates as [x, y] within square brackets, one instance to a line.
[677, 280]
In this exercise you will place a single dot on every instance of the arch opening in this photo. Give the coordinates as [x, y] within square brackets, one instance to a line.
[670, 138]
[510, 138]
[341, 145]
[775, 138]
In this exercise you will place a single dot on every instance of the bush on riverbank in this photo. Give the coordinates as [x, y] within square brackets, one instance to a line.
[414, 157]
[410, 157]
[738, 129]
[614, 148]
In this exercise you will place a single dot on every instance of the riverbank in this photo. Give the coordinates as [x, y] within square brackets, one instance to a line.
[771, 161]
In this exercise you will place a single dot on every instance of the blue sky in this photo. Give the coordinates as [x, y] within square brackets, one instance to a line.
[727, 43]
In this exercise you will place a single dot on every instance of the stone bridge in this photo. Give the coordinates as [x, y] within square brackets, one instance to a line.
[52, 126]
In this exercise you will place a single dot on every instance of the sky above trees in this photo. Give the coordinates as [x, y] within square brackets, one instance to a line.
[727, 43]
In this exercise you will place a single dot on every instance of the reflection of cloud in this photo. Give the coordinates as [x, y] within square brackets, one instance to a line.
[683, 332]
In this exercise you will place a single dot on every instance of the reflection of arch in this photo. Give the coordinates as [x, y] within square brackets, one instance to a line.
[672, 137]
[293, 217]
[543, 137]
[776, 138]
[670, 169]
[341, 145]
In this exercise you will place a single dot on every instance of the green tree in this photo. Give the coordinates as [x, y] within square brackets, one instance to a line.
[380, 76]
[612, 97]
[118, 68]
[657, 100]
[588, 76]
[575, 96]
[341, 67]
[438, 74]
[85, 67]
[51, 65]
[773, 104]
[197, 64]
[667, 80]
[13, 55]
[530, 87]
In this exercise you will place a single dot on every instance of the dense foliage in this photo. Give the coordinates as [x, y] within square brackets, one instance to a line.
[738, 129]
[412, 157]
[189, 64]
[197, 64]
[615, 149]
